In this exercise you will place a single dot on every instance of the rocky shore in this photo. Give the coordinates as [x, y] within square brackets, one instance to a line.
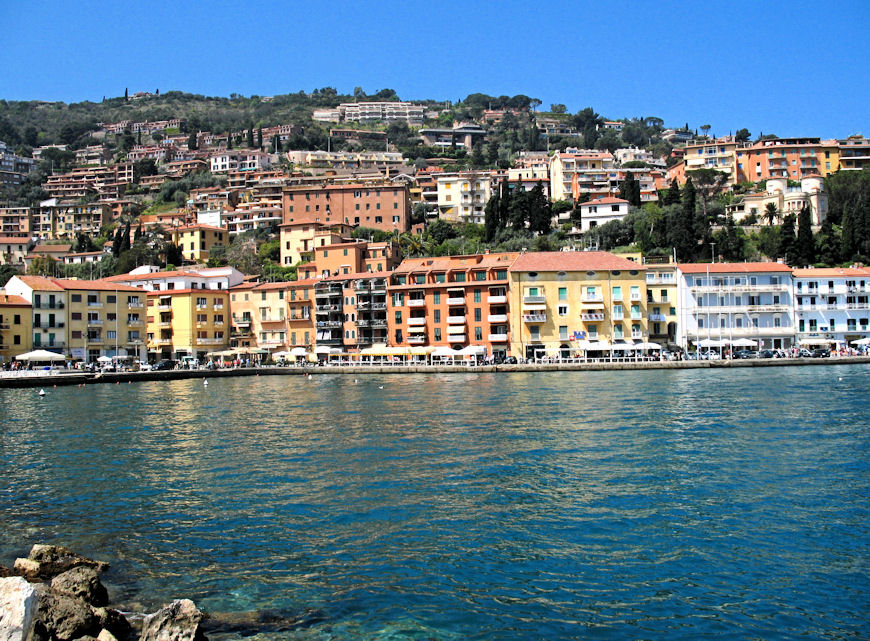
[56, 595]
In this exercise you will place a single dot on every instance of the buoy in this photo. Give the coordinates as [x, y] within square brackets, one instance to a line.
[380, 387]
[310, 377]
[42, 392]
[205, 382]
[841, 378]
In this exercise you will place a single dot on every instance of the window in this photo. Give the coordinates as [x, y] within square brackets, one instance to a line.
[501, 274]
[563, 310]
[75, 298]
[478, 334]
[617, 293]
[563, 293]
[437, 333]
[477, 315]
[436, 297]
[563, 332]
[398, 316]
[535, 333]
[479, 275]
[437, 316]
[476, 295]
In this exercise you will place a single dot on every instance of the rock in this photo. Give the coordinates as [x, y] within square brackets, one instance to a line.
[4, 572]
[114, 623]
[63, 617]
[178, 621]
[105, 635]
[47, 561]
[81, 582]
[18, 604]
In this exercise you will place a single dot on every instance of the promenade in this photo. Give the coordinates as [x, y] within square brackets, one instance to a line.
[59, 377]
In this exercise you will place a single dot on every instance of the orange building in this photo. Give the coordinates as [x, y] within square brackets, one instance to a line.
[792, 158]
[451, 301]
[381, 205]
[352, 257]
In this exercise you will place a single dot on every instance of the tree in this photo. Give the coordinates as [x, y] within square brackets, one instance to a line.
[260, 138]
[250, 135]
[126, 95]
[440, 230]
[540, 214]
[828, 244]
[742, 135]
[787, 241]
[672, 197]
[558, 108]
[118, 241]
[229, 139]
[491, 218]
[771, 214]
[630, 190]
[705, 129]
[806, 247]
[193, 141]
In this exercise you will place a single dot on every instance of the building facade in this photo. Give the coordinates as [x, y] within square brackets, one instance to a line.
[832, 306]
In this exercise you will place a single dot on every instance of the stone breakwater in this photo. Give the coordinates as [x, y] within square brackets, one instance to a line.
[62, 378]
[56, 595]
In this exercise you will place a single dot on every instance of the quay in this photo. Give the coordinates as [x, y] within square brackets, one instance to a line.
[61, 377]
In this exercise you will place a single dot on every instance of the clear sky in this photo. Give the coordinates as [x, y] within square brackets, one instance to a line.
[788, 68]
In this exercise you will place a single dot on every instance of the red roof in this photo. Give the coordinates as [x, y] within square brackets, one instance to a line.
[102, 285]
[609, 200]
[13, 301]
[832, 272]
[732, 268]
[572, 262]
[14, 240]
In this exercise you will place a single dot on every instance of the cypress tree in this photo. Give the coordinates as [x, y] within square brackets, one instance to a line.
[125, 239]
[139, 233]
[540, 210]
[787, 241]
[229, 140]
[250, 135]
[672, 197]
[491, 217]
[192, 142]
[806, 248]
[828, 244]
[260, 138]
[117, 241]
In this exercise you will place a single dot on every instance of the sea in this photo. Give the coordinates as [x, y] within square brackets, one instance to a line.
[667, 504]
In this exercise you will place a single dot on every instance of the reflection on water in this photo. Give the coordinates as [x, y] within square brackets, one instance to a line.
[618, 505]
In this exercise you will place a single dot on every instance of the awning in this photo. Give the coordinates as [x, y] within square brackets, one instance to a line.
[744, 342]
[322, 349]
[622, 347]
[816, 341]
[40, 355]
[646, 346]
[298, 351]
[862, 341]
[598, 346]
[712, 342]
[596, 305]
[534, 307]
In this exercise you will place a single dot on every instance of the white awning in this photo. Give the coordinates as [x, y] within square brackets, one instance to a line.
[298, 351]
[534, 307]
[816, 341]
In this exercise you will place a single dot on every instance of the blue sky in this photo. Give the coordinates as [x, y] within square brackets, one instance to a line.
[795, 68]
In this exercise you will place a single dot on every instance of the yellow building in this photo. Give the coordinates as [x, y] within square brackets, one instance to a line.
[196, 241]
[565, 304]
[299, 240]
[15, 327]
[187, 322]
[104, 318]
[661, 299]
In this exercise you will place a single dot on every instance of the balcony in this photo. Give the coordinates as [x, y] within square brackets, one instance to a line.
[416, 340]
[95, 304]
[135, 305]
[167, 323]
[328, 308]
[164, 308]
[635, 296]
[534, 318]
[218, 306]
[95, 321]
[534, 299]
[497, 318]
[591, 298]
[618, 316]
[456, 320]
[417, 302]
[135, 323]
[456, 301]
[778, 287]
[658, 318]
[498, 338]
[416, 321]
[328, 324]
[241, 322]
[592, 316]
[496, 299]
[96, 340]
[210, 341]
[456, 338]
[636, 316]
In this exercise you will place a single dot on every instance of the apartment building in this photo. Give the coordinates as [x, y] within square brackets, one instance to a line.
[601, 211]
[14, 168]
[228, 160]
[66, 219]
[566, 304]
[791, 158]
[854, 153]
[13, 249]
[16, 326]
[661, 299]
[380, 205]
[719, 154]
[352, 257]
[451, 302]
[381, 112]
[462, 136]
[378, 160]
[728, 301]
[462, 197]
[15, 221]
[581, 171]
[298, 240]
[832, 305]
[260, 316]
[197, 241]
[351, 312]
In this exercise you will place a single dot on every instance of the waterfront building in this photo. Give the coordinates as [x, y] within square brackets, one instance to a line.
[832, 306]
[380, 204]
[16, 325]
[351, 311]
[568, 303]
[787, 200]
[84, 319]
[661, 299]
[729, 301]
[273, 316]
[187, 310]
[451, 301]
[298, 240]
[462, 197]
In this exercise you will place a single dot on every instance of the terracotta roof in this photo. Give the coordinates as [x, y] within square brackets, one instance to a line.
[94, 253]
[609, 200]
[732, 268]
[358, 276]
[51, 249]
[152, 276]
[13, 301]
[41, 283]
[14, 240]
[102, 285]
[831, 272]
[205, 227]
[461, 263]
[572, 262]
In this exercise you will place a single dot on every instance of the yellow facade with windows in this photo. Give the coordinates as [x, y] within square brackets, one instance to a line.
[16, 326]
[564, 303]
[188, 322]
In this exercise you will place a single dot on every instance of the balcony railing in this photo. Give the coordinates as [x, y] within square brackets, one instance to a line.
[658, 318]
[534, 299]
[456, 338]
[496, 299]
[592, 316]
[417, 302]
[497, 318]
[456, 301]
[456, 320]
[416, 321]
[416, 340]
[534, 318]
[498, 338]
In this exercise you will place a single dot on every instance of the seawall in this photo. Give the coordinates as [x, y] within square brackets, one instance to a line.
[59, 378]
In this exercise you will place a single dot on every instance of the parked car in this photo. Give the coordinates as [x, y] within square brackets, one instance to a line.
[510, 360]
[804, 353]
[821, 352]
[766, 353]
[164, 364]
[144, 367]
[744, 354]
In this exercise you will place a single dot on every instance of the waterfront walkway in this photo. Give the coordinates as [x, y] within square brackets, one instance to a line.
[57, 377]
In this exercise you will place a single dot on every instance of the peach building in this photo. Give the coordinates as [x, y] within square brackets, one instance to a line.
[380, 205]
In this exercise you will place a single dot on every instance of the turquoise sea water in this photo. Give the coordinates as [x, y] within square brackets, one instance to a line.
[565, 505]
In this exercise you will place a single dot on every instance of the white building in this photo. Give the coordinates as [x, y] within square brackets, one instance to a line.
[462, 197]
[832, 305]
[601, 211]
[239, 160]
[787, 200]
[730, 301]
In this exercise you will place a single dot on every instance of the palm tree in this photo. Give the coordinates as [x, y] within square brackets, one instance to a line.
[771, 215]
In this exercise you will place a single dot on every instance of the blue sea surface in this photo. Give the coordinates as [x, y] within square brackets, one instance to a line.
[664, 504]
